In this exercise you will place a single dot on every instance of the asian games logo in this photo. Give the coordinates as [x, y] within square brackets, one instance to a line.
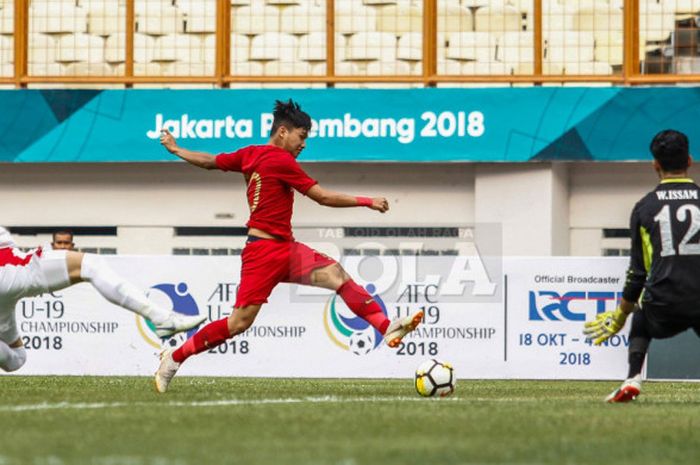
[175, 297]
[347, 330]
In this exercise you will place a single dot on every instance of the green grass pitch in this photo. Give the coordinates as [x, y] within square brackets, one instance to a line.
[122, 421]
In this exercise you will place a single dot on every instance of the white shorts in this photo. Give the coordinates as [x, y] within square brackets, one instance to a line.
[44, 271]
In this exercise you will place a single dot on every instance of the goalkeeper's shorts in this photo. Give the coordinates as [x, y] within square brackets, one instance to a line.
[664, 321]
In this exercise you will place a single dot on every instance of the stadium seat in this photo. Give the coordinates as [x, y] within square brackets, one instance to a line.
[158, 18]
[42, 48]
[106, 5]
[80, 48]
[473, 68]
[656, 23]
[548, 68]
[609, 47]
[185, 48]
[274, 46]
[569, 47]
[479, 46]
[477, 68]
[200, 16]
[140, 69]
[280, 68]
[45, 69]
[255, 19]
[7, 19]
[598, 18]
[410, 47]
[7, 50]
[208, 48]
[104, 19]
[352, 16]
[386, 68]
[380, 2]
[554, 18]
[57, 17]
[685, 6]
[247, 68]
[591, 67]
[525, 7]
[516, 48]
[240, 48]
[312, 47]
[303, 19]
[452, 17]
[83, 68]
[179, 68]
[346, 68]
[115, 48]
[367, 46]
[498, 19]
[399, 19]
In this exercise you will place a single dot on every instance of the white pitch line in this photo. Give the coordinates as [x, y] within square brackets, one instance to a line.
[300, 400]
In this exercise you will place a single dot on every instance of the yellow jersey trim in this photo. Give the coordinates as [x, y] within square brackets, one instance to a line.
[672, 180]
[647, 248]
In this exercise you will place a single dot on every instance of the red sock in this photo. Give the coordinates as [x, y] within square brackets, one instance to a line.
[363, 305]
[206, 338]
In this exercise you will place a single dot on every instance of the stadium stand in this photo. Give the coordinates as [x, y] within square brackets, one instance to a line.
[270, 38]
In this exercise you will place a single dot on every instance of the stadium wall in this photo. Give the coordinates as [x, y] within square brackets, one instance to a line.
[544, 209]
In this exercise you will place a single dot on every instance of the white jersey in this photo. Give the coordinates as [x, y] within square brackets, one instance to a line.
[26, 274]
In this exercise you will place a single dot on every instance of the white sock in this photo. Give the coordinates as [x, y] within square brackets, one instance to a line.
[12, 359]
[119, 291]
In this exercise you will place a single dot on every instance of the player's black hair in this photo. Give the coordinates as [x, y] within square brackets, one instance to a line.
[670, 149]
[62, 232]
[290, 115]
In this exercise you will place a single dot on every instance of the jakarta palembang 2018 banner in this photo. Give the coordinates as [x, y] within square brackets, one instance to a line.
[349, 125]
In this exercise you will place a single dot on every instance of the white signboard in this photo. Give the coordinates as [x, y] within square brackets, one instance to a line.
[524, 324]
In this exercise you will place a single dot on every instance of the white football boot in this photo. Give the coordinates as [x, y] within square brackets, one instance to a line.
[167, 369]
[177, 322]
[399, 327]
[630, 389]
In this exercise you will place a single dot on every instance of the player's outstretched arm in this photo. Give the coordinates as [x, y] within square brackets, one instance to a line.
[200, 159]
[329, 198]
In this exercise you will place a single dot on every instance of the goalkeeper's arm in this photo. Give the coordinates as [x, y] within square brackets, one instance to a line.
[607, 324]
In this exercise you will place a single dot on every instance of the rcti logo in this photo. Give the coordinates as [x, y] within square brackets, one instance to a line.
[348, 331]
[571, 306]
[175, 297]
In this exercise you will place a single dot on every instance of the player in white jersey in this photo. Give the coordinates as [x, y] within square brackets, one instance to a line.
[39, 271]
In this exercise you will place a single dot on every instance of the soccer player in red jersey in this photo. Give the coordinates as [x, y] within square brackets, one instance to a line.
[271, 254]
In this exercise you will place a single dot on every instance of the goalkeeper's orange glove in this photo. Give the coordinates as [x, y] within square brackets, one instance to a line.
[605, 326]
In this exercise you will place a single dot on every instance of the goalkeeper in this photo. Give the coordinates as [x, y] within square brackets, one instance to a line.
[664, 264]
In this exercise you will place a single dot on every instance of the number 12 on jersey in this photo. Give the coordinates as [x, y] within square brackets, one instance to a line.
[684, 212]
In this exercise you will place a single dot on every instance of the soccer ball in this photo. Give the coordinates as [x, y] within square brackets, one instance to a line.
[362, 342]
[435, 378]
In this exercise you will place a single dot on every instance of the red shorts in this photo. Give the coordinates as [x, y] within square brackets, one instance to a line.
[268, 262]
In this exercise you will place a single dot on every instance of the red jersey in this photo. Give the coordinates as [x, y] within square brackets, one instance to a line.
[271, 173]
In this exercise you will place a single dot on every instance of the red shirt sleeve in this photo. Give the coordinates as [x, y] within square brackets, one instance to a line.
[291, 174]
[231, 161]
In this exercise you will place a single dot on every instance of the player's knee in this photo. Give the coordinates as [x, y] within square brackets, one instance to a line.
[17, 361]
[88, 266]
[334, 276]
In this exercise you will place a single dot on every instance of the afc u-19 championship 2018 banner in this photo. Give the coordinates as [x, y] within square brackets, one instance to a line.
[349, 125]
[523, 320]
